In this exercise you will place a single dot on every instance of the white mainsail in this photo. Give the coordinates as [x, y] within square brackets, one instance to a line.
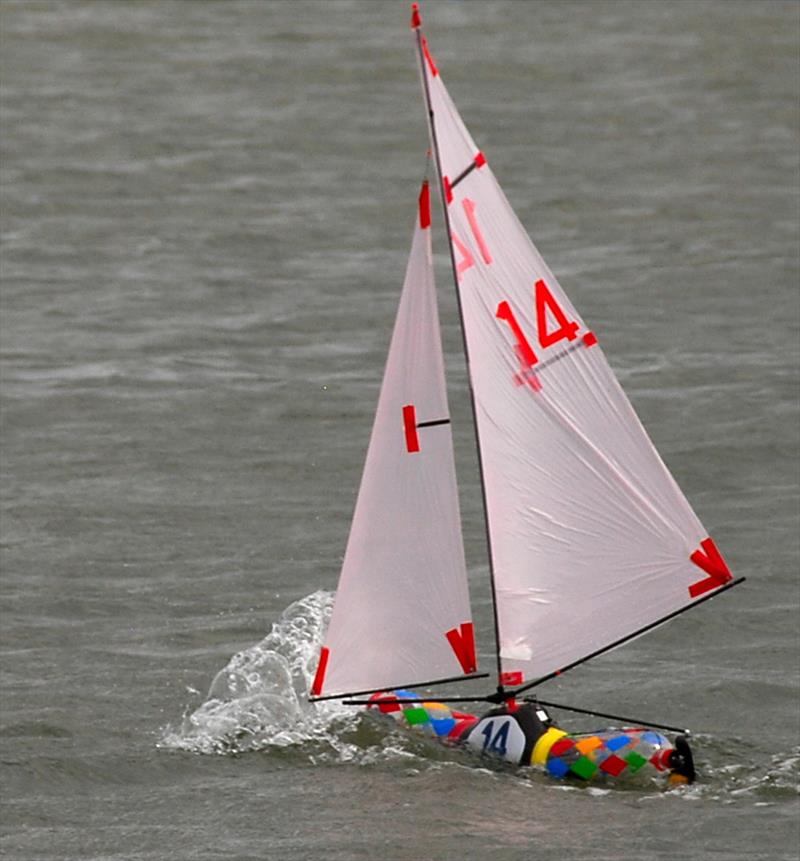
[591, 539]
[402, 612]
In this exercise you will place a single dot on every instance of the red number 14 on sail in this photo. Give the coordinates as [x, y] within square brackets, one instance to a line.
[544, 302]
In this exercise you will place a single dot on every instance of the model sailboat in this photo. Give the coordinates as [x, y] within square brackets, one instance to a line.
[590, 540]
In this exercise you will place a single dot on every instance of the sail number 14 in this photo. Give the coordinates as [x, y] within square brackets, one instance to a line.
[544, 301]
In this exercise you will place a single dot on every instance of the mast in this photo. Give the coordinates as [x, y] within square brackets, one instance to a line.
[416, 25]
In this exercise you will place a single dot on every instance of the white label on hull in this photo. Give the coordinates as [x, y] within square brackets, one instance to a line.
[499, 736]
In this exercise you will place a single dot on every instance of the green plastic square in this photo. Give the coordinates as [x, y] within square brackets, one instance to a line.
[583, 767]
[635, 761]
[416, 716]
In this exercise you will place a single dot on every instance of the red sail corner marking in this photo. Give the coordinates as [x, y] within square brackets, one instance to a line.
[462, 642]
[589, 339]
[319, 678]
[429, 58]
[410, 426]
[710, 560]
[448, 189]
[425, 206]
[480, 159]
[416, 18]
[512, 677]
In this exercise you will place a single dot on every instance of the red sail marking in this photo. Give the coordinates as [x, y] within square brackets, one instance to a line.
[710, 560]
[319, 678]
[544, 301]
[462, 643]
[512, 677]
[425, 206]
[429, 57]
[410, 426]
[589, 339]
[522, 349]
[469, 209]
[467, 260]
[448, 189]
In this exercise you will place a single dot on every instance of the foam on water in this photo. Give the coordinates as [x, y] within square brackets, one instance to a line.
[259, 702]
[259, 699]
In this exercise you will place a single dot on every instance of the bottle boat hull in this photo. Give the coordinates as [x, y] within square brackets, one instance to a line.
[523, 735]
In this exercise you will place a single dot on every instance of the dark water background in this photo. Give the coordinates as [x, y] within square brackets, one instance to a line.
[206, 209]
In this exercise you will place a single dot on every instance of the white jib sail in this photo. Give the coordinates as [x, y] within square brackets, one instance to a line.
[402, 612]
[591, 538]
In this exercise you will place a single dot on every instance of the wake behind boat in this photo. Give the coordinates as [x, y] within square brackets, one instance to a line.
[590, 540]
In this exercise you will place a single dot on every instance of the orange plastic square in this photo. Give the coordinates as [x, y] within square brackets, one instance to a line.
[588, 744]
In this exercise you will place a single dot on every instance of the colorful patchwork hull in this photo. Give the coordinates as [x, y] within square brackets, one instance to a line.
[524, 735]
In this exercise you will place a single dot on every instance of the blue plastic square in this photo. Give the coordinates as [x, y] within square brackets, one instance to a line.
[406, 695]
[557, 767]
[442, 726]
[617, 742]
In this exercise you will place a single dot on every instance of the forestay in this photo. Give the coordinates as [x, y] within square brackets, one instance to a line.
[402, 613]
[591, 538]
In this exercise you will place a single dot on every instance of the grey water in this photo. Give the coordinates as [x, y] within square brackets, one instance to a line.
[206, 211]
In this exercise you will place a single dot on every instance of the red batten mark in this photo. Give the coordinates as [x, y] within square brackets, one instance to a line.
[480, 159]
[429, 58]
[319, 678]
[448, 190]
[710, 560]
[410, 425]
[462, 642]
[589, 339]
[512, 677]
[425, 206]
[416, 18]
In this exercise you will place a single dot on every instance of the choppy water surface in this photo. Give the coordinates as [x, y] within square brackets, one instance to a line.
[206, 209]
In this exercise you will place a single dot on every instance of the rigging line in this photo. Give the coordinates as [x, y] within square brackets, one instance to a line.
[413, 685]
[625, 720]
[463, 175]
[644, 630]
[438, 161]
